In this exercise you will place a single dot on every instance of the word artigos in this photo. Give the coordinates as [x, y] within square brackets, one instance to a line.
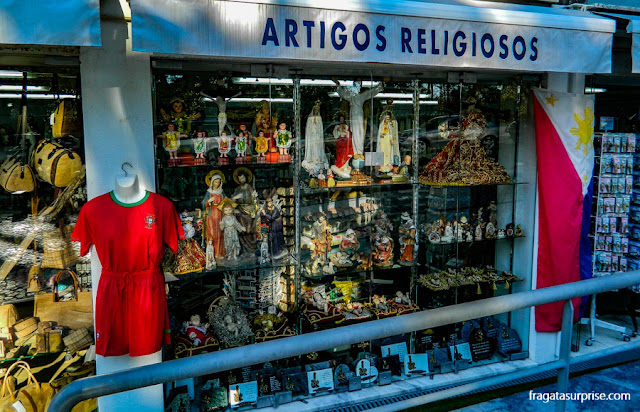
[311, 34]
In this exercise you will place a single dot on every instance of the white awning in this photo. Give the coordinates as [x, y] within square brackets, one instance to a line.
[52, 23]
[441, 33]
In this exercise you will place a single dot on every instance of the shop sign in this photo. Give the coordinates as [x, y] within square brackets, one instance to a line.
[269, 31]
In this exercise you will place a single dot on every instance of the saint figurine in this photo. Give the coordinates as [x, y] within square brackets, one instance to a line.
[266, 123]
[230, 227]
[200, 145]
[246, 198]
[262, 144]
[241, 145]
[270, 215]
[407, 231]
[314, 156]
[383, 252]
[388, 141]
[212, 199]
[344, 152]
[171, 141]
[178, 116]
[356, 99]
[284, 138]
[224, 144]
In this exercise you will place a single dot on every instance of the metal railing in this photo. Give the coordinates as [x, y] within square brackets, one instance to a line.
[228, 359]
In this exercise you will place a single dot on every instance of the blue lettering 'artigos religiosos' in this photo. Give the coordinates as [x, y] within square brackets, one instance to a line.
[459, 43]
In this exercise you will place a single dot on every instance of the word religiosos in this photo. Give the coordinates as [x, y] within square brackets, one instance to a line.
[418, 41]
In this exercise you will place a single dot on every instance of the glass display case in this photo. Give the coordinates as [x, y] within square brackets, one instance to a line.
[315, 202]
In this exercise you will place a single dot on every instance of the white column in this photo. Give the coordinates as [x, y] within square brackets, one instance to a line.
[118, 128]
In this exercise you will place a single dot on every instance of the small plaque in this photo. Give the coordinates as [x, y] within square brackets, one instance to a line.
[341, 375]
[367, 372]
[490, 325]
[320, 381]
[460, 352]
[390, 363]
[384, 378]
[355, 383]
[399, 349]
[508, 341]
[416, 364]
[480, 345]
[467, 328]
[243, 394]
[295, 382]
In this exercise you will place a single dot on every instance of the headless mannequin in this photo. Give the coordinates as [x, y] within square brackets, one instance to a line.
[127, 188]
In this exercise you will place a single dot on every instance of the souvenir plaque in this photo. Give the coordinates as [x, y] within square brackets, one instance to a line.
[480, 345]
[467, 328]
[416, 364]
[295, 382]
[367, 372]
[461, 352]
[320, 381]
[243, 394]
[399, 349]
[508, 341]
[490, 325]
[341, 375]
[390, 364]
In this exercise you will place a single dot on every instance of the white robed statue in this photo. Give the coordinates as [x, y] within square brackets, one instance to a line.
[387, 141]
[315, 158]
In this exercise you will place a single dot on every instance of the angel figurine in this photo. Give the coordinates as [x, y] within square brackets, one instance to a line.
[230, 227]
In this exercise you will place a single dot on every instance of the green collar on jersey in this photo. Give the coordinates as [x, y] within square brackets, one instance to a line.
[139, 202]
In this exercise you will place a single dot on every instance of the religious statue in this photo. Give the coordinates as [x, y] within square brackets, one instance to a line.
[224, 144]
[314, 155]
[284, 138]
[356, 99]
[212, 199]
[171, 142]
[407, 241]
[344, 152]
[200, 146]
[271, 217]
[178, 116]
[266, 123]
[383, 253]
[388, 141]
[230, 226]
[246, 198]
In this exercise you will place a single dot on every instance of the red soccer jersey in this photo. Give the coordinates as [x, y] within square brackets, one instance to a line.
[128, 237]
[131, 307]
